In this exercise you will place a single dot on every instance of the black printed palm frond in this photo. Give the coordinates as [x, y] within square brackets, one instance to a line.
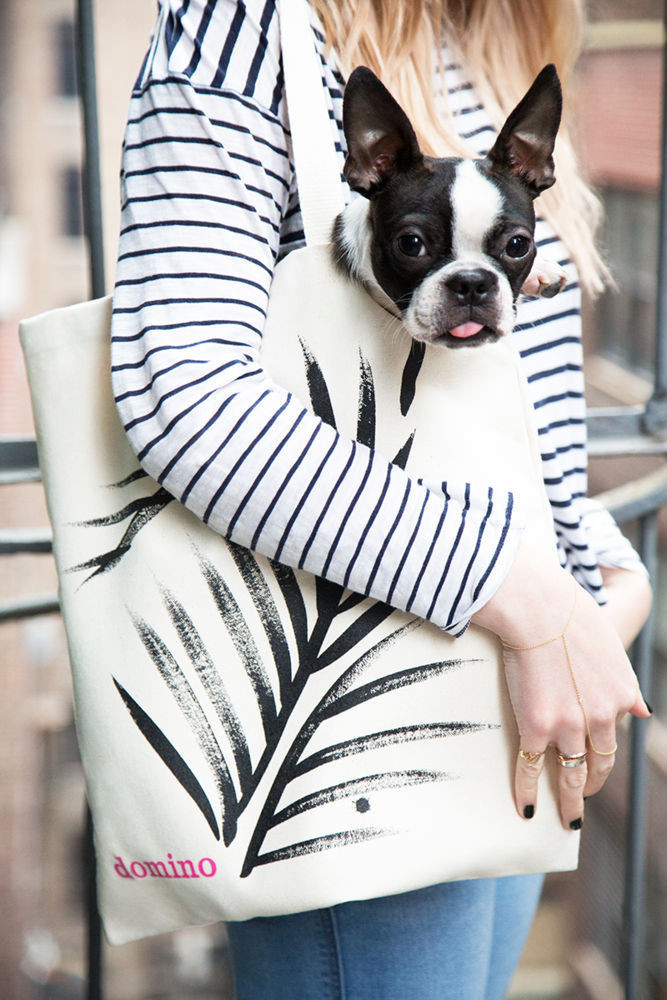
[347, 692]
[343, 695]
[366, 411]
[139, 512]
[181, 690]
[352, 789]
[281, 635]
[212, 683]
[317, 388]
[387, 737]
[410, 373]
[171, 757]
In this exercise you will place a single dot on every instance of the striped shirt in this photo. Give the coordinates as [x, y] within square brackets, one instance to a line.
[209, 205]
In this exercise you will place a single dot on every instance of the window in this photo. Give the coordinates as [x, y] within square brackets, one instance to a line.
[625, 318]
[66, 60]
[72, 223]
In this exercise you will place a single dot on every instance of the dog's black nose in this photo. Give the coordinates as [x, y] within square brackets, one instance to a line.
[471, 285]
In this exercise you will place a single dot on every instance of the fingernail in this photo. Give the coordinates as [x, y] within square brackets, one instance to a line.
[529, 811]
[649, 707]
[576, 824]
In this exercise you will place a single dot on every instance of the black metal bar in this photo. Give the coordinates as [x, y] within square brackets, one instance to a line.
[94, 924]
[611, 447]
[28, 607]
[92, 187]
[614, 421]
[92, 213]
[634, 903]
[637, 498]
[620, 430]
[655, 420]
[16, 542]
[18, 461]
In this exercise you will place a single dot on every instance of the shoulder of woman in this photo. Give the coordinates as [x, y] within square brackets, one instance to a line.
[231, 45]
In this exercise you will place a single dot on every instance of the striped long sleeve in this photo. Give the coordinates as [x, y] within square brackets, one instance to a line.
[209, 205]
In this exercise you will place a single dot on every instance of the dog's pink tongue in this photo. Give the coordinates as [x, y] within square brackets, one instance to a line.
[466, 330]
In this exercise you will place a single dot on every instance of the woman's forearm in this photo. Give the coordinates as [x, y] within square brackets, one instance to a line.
[629, 598]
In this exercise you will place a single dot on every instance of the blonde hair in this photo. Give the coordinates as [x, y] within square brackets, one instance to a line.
[503, 45]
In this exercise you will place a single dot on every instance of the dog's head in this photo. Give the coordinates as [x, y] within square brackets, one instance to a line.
[449, 241]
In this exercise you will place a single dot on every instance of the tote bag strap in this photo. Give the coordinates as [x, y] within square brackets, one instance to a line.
[315, 159]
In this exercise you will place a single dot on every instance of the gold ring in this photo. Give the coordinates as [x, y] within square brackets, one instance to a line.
[571, 760]
[604, 753]
[531, 756]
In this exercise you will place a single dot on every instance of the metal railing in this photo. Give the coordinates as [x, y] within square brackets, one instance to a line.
[612, 433]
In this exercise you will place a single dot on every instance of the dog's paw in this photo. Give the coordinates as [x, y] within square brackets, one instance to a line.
[546, 279]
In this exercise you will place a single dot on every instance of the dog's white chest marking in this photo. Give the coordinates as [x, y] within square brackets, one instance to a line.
[476, 204]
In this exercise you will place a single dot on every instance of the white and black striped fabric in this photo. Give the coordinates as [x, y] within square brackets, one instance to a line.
[209, 205]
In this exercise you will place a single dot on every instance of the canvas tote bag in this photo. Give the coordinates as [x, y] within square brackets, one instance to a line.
[255, 740]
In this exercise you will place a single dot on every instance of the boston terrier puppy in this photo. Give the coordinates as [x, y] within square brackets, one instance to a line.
[446, 244]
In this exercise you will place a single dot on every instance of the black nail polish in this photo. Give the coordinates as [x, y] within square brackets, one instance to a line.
[576, 824]
[529, 811]
[649, 707]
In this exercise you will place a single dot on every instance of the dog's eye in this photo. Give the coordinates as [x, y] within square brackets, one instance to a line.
[518, 247]
[411, 245]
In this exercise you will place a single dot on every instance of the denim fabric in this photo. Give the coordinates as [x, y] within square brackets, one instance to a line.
[456, 941]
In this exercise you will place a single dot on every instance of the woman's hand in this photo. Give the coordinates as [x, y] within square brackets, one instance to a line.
[534, 604]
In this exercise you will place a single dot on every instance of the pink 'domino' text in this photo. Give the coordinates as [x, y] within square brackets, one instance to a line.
[204, 868]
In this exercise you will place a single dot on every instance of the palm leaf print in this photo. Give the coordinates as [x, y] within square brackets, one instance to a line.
[181, 689]
[317, 844]
[317, 388]
[235, 623]
[354, 788]
[261, 663]
[171, 757]
[265, 605]
[388, 737]
[410, 373]
[139, 511]
[213, 685]
[339, 698]
[366, 417]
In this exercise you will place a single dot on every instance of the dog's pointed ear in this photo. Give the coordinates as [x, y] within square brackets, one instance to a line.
[380, 139]
[525, 144]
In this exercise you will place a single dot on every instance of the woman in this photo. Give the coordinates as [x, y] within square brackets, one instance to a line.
[209, 206]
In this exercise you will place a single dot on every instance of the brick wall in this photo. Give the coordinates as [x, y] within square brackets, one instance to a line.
[619, 117]
[15, 413]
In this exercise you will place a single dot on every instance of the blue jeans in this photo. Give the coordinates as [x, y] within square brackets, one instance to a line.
[455, 941]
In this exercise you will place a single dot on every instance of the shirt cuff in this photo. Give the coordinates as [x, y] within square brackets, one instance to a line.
[607, 541]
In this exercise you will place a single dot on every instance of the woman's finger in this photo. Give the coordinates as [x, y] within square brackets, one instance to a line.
[602, 748]
[572, 774]
[529, 765]
[641, 708]
[599, 769]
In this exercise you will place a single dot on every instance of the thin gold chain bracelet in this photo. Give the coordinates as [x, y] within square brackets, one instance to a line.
[563, 637]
